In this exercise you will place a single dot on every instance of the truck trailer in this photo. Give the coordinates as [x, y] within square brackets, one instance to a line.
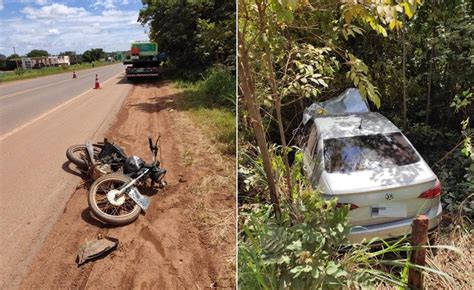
[144, 61]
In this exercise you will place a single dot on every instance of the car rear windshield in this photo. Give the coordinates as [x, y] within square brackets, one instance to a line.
[367, 152]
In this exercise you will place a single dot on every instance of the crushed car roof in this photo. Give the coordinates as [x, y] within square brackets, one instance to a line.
[354, 125]
[349, 102]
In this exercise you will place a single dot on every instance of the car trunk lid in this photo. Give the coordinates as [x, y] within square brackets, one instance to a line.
[383, 195]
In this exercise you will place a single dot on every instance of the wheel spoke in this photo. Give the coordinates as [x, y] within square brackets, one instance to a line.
[103, 204]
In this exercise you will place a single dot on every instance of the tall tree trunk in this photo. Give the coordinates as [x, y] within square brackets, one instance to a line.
[404, 64]
[247, 87]
[275, 95]
[428, 96]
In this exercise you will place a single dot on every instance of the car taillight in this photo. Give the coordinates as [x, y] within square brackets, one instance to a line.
[432, 192]
[351, 205]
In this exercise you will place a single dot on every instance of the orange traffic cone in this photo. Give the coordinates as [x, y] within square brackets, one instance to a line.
[74, 75]
[97, 85]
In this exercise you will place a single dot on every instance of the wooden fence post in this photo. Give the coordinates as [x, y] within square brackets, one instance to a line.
[419, 237]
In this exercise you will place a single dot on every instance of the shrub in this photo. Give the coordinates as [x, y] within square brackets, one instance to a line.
[218, 85]
[19, 71]
[211, 101]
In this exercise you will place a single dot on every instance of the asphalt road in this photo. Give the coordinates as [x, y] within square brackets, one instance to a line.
[22, 101]
[39, 119]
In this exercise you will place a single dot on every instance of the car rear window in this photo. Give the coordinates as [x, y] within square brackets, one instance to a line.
[367, 152]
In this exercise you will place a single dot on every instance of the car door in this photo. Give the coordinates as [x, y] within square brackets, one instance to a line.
[318, 162]
[310, 164]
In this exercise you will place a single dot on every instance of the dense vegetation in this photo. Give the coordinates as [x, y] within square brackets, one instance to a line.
[37, 53]
[199, 39]
[94, 54]
[195, 35]
[411, 60]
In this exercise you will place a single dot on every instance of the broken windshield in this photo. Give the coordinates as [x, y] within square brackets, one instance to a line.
[367, 152]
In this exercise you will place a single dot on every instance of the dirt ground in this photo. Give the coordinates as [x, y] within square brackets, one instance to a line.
[187, 237]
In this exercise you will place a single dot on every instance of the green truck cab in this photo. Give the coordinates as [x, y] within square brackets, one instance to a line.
[144, 61]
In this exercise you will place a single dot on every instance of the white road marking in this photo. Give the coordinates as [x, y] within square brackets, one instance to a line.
[51, 111]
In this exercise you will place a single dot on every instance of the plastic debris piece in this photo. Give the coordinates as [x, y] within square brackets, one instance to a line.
[95, 248]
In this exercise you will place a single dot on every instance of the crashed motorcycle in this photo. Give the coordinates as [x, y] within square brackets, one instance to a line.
[115, 199]
[97, 159]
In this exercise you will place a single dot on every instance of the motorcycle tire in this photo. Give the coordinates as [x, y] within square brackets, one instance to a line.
[81, 148]
[101, 206]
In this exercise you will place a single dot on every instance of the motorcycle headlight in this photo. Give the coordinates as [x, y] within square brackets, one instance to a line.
[158, 174]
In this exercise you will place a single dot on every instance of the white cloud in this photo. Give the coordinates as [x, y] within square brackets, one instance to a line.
[53, 31]
[42, 2]
[108, 4]
[114, 12]
[53, 11]
[1, 5]
[60, 28]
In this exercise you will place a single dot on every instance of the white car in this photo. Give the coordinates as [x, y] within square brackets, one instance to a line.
[364, 160]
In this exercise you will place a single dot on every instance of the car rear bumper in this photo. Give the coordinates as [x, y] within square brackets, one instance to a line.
[389, 231]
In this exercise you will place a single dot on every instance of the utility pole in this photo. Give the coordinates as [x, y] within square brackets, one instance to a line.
[16, 60]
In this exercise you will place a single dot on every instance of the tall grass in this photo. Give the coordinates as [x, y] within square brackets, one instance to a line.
[211, 102]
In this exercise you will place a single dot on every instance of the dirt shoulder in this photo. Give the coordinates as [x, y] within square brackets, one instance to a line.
[187, 237]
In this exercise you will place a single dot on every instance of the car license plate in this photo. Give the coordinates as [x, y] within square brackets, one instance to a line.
[389, 210]
[141, 200]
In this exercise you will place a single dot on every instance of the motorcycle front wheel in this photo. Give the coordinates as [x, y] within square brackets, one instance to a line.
[77, 153]
[109, 208]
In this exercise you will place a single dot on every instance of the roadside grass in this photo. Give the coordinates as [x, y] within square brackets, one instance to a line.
[215, 219]
[21, 74]
[211, 103]
[187, 158]
[449, 257]
[455, 231]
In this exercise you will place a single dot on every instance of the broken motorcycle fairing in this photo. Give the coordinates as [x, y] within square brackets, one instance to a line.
[97, 159]
[95, 248]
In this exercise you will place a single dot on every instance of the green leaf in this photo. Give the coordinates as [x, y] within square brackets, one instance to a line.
[285, 15]
[323, 83]
[284, 260]
[407, 8]
[331, 268]
[375, 99]
[381, 30]
[295, 246]
[340, 228]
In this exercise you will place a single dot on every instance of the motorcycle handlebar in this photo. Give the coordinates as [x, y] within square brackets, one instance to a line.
[151, 143]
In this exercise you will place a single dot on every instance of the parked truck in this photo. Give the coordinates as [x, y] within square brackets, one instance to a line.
[144, 60]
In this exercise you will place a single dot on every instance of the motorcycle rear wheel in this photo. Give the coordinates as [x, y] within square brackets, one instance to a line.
[99, 204]
[76, 154]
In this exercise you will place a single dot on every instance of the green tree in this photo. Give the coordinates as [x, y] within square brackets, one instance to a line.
[194, 34]
[12, 56]
[37, 53]
[94, 54]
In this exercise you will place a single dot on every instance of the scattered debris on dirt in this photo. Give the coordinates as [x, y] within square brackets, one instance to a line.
[185, 240]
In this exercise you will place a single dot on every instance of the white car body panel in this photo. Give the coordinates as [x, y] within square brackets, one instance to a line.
[387, 198]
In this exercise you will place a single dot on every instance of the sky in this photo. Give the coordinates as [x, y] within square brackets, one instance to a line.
[63, 25]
